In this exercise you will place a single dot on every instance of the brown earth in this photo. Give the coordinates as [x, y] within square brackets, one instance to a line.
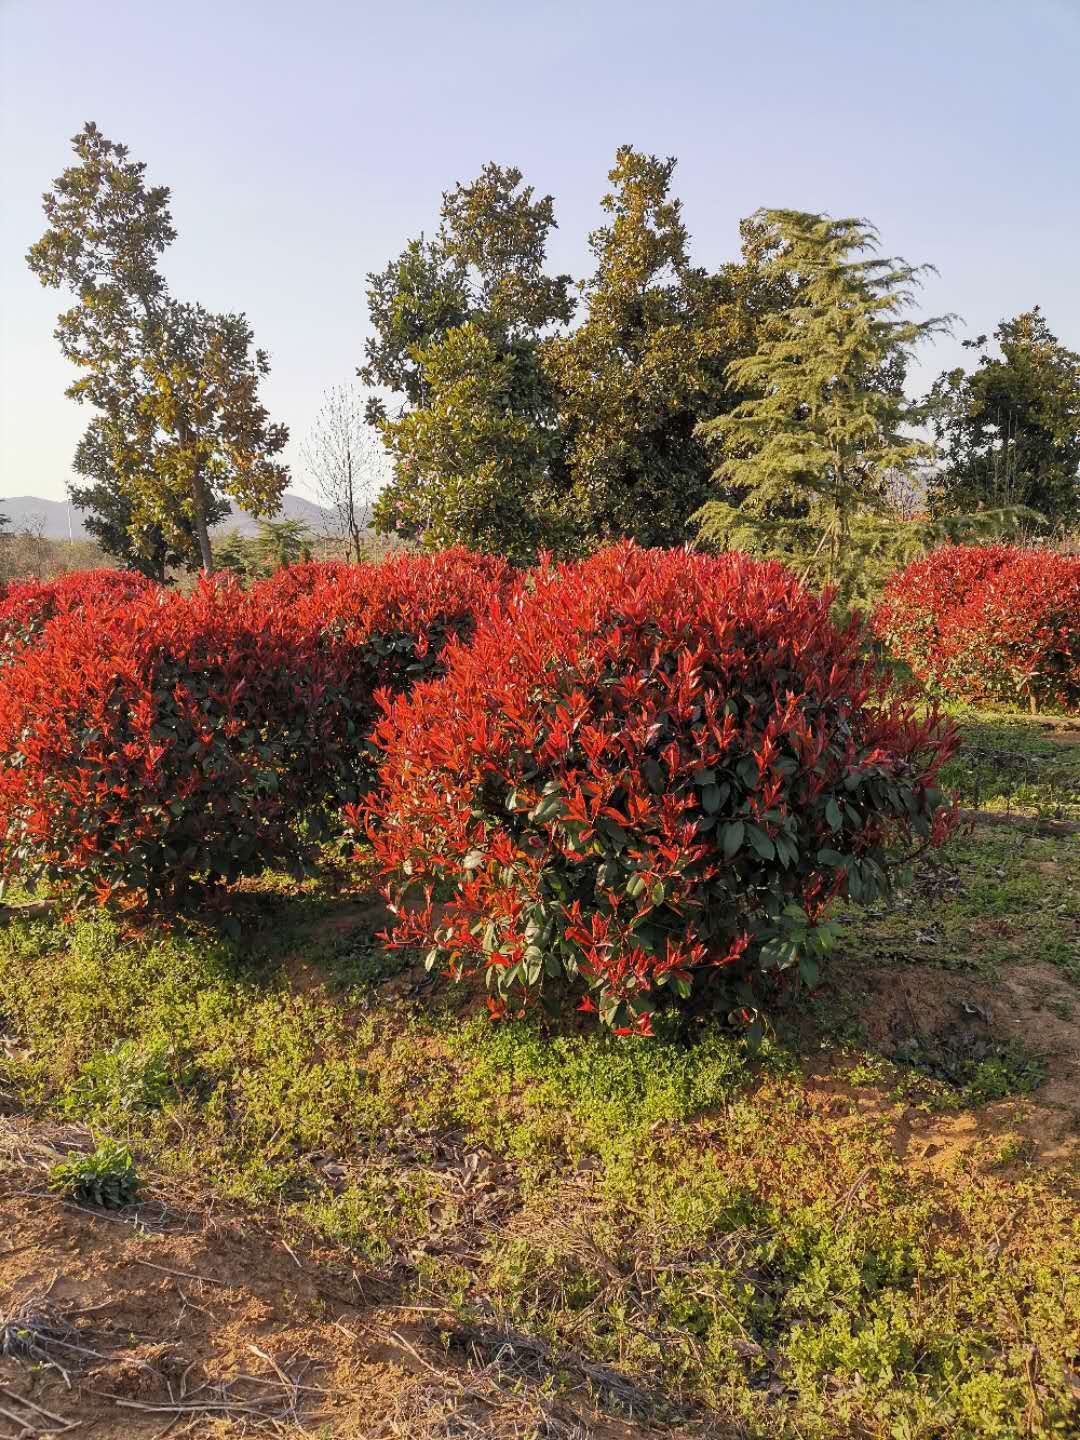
[184, 1317]
[1025, 1006]
[201, 1322]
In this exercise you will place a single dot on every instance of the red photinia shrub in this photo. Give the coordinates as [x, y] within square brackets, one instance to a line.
[384, 626]
[26, 606]
[655, 769]
[180, 737]
[200, 737]
[290, 581]
[989, 622]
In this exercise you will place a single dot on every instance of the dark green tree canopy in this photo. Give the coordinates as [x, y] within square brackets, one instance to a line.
[519, 432]
[495, 233]
[685, 402]
[634, 379]
[485, 266]
[458, 324]
[416, 300]
[110, 518]
[1009, 430]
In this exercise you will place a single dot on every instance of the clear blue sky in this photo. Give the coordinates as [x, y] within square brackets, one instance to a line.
[306, 140]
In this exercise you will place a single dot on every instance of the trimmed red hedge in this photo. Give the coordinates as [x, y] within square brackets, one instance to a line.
[201, 737]
[27, 606]
[653, 771]
[292, 581]
[383, 627]
[989, 622]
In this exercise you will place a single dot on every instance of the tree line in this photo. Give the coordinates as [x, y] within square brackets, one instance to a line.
[762, 404]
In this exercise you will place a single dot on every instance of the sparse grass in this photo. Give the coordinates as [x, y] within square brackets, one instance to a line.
[1008, 761]
[989, 899]
[980, 1068]
[730, 1240]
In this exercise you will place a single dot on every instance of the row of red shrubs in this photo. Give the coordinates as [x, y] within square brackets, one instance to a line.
[643, 773]
[27, 606]
[989, 622]
[149, 739]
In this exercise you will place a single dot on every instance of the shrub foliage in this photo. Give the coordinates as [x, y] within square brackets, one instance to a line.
[385, 626]
[651, 772]
[202, 737]
[989, 622]
[27, 606]
[140, 749]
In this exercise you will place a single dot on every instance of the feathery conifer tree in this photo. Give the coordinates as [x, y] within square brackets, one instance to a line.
[825, 419]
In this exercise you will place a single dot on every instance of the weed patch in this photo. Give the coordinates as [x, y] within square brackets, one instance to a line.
[105, 1177]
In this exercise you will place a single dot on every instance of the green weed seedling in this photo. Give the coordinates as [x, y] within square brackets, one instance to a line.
[105, 1177]
[127, 1078]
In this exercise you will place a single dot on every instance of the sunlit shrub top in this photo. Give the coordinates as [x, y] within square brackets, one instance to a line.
[989, 622]
[27, 606]
[180, 738]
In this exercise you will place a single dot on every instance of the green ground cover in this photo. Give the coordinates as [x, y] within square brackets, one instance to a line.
[867, 1228]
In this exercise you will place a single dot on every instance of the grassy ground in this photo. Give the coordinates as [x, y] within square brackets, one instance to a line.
[1027, 764]
[867, 1229]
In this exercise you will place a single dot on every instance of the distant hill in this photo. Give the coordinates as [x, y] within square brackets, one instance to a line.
[52, 517]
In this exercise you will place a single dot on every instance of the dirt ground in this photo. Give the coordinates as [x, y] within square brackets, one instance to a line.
[188, 1318]
[205, 1323]
[184, 1317]
[925, 1002]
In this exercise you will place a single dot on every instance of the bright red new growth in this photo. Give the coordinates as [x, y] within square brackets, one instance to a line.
[384, 626]
[652, 770]
[989, 622]
[27, 606]
[179, 738]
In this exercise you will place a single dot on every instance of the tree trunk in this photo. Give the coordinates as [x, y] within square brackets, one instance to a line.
[198, 500]
[202, 534]
[354, 529]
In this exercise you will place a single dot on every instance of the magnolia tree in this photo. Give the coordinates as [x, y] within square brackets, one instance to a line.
[178, 428]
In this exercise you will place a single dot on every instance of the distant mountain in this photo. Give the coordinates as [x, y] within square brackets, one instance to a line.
[57, 520]
[293, 507]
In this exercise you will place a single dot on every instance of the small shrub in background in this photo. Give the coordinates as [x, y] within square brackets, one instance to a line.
[383, 626]
[650, 774]
[177, 738]
[27, 606]
[994, 622]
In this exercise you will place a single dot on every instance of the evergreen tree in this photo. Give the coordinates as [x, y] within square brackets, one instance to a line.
[175, 387]
[413, 303]
[644, 367]
[516, 432]
[1009, 430]
[275, 545]
[110, 518]
[825, 419]
[279, 543]
[458, 323]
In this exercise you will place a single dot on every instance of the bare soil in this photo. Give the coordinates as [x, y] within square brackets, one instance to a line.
[202, 1322]
[1029, 1006]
